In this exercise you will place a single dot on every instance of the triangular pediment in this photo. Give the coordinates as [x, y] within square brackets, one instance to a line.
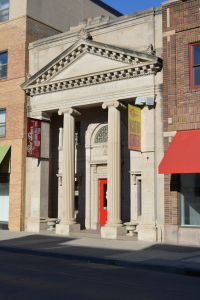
[88, 62]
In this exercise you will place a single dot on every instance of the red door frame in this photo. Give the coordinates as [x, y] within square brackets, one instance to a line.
[103, 211]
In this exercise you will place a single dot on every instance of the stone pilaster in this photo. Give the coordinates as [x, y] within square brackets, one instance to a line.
[37, 180]
[68, 222]
[114, 224]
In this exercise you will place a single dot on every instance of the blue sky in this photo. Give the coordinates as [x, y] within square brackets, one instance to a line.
[130, 6]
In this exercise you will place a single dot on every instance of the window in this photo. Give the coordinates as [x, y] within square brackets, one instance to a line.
[195, 65]
[3, 64]
[4, 10]
[190, 199]
[102, 135]
[2, 123]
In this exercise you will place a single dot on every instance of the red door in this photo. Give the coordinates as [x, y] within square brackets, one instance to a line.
[103, 201]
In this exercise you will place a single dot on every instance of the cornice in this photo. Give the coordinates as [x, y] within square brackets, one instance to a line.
[92, 79]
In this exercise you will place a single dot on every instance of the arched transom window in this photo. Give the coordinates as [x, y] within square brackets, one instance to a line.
[102, 135]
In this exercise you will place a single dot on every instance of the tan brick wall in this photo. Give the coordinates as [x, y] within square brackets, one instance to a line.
[15, 36]
[12, 39]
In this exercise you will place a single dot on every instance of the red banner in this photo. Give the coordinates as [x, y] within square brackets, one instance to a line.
[33, 138]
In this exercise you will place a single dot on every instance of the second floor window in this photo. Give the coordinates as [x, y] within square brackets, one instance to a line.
[2, 122]
[4, 10]
[3, 64]
[195, 65]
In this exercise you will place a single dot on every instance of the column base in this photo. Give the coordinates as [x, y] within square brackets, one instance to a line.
[112, 232]
[36, 224]
[147, 232]
[67, 228]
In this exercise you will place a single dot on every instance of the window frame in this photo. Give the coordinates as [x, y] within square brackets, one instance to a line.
[3, 78]
[8, 11]
[3, 136]
[192, 66]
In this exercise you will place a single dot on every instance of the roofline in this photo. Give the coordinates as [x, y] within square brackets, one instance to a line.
[169, 2]
[92, 28]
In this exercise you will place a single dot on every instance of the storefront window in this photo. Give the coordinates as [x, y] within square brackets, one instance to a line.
[4, 201]
[190, 199]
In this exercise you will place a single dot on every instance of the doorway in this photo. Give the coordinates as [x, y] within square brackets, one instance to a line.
[103, 201]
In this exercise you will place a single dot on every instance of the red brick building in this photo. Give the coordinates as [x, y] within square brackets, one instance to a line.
[181, 109]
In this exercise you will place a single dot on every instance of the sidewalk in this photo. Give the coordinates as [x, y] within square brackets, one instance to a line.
[147, 255]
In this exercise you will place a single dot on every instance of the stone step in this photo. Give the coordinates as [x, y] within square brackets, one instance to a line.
[95, 234]
[82, 233]
[127, 238]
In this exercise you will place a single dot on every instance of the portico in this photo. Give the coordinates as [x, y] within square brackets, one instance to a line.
[89, 169]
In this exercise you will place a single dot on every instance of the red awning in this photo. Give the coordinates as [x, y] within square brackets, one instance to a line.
[183, 154]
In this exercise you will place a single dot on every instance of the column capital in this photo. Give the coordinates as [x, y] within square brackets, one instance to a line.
[116, 104]
[70, 111]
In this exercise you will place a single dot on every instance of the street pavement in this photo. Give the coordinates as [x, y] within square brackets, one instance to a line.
[144, 255]
[34, 277]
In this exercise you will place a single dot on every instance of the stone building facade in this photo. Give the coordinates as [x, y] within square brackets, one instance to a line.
[20, 24]
[83, 81]
[181, 94]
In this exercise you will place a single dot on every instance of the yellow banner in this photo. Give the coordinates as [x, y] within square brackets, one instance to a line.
[134, 128]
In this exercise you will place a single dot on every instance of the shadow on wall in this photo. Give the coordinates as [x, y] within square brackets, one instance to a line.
[81, 184]
[125, 175]
[175, 183]
[56, 123]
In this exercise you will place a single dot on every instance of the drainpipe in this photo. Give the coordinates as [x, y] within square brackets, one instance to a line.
[155, 148]
[155, 170]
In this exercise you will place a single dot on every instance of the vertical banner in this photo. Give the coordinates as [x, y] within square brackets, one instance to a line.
[134, 128]
[33, 138]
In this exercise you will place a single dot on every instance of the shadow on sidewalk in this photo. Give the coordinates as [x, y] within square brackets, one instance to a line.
[162, 257]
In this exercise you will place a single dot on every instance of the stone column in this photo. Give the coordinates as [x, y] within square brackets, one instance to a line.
[68, 222]
[114, 224]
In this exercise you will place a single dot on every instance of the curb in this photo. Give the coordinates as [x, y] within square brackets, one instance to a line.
[106, 261]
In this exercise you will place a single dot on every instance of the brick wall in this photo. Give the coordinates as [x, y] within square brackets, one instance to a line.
[12, 39]
[37, 30]
[15, 35]
[181, 104]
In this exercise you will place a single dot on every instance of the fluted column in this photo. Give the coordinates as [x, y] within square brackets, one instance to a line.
[114, 170]
[68, 173]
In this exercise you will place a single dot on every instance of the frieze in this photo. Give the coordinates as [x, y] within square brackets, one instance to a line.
[96, 80]
[93, 94]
